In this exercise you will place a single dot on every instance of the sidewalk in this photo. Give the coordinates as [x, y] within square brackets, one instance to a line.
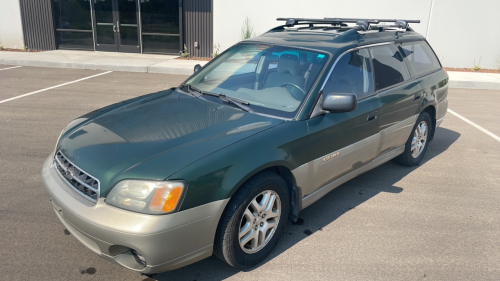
[471, 80]
[169, 65]
[102, 61]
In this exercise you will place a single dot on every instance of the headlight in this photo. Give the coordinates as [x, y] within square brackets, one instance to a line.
[147, 197]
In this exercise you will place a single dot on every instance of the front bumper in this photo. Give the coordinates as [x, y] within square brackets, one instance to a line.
[166, 242]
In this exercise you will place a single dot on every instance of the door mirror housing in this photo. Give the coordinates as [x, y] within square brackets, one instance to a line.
[197, 68]
[339, 102]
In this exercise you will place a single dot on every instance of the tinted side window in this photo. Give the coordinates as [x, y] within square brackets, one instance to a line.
[388, 66]
[352, 74]
[420, 57]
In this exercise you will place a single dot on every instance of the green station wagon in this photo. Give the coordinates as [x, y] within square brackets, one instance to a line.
[219, 164]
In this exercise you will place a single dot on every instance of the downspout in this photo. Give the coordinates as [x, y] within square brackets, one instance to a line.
[429, 21]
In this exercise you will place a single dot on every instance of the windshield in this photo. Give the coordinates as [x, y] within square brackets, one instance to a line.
[271, 80]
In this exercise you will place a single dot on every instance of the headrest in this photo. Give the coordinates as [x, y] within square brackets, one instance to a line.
[289, 63]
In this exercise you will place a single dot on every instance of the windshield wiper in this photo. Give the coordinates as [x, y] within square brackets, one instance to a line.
[236, 102]
[194, 94]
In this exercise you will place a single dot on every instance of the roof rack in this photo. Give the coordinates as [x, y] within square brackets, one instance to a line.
[361, 24]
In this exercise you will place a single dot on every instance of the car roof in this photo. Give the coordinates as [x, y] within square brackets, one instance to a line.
[332, 39]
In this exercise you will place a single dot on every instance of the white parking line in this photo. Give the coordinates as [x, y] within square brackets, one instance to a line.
[475, 125]
[10, 67]
[57, 86]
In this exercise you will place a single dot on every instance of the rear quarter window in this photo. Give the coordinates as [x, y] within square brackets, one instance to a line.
[420, 58]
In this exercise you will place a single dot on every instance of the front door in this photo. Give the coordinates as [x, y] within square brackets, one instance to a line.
[340, 143]
[116, 26]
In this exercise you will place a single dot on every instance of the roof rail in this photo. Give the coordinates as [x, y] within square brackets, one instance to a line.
[362, 24]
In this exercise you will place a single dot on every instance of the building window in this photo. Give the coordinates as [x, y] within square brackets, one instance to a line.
[73, 24]
[160, 26]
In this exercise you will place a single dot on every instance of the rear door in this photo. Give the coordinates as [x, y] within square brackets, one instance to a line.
[424, 67]
[342, 142]
[398, 93]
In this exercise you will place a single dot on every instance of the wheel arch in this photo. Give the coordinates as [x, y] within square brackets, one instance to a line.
[286, 174]
[431, 110]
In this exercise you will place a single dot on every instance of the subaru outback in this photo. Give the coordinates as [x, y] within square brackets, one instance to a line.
[219, 164]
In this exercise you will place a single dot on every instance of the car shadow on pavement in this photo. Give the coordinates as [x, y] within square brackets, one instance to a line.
[312, 219]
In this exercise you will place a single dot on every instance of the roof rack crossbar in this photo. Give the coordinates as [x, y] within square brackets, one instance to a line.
[372, 20]
[364, 23]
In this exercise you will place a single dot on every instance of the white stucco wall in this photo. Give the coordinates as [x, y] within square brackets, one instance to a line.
[459, 30]
[11, 29]
[464, 30]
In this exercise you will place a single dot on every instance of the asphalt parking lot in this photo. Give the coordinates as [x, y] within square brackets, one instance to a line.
[437, 221]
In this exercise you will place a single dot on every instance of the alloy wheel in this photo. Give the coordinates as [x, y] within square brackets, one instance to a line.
[259, 222]
[419, 139]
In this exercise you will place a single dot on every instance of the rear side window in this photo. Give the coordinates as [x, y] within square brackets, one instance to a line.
[388, 66]
[420, 57]
[352, 74]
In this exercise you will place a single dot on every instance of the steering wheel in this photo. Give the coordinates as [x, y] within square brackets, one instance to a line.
[298, 88]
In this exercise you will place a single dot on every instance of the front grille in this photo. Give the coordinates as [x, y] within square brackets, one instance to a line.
[79, 180]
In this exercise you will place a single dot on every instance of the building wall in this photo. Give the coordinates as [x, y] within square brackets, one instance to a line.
[458, 30]
[11, 29]
[38, 24]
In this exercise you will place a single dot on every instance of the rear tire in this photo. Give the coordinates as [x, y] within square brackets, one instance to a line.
[245, 235]
[417, 143]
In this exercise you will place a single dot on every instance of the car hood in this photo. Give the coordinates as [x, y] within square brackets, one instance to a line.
[163, 132]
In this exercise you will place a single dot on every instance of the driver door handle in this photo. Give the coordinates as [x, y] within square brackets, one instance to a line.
[372, 116]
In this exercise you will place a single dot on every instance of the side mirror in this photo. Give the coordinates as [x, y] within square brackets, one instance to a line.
[337, 102]
[197, 68]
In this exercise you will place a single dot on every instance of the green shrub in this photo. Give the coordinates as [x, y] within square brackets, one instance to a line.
[477, 66]
[185, 53]
[247, 29]
[216, 50]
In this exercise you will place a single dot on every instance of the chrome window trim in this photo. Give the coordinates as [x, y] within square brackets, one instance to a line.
[344, 53]
[98, 191]
[312, 115]
[377, 91]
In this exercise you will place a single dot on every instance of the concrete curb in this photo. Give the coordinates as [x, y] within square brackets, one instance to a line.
[473, 80]
[182, 70]
[102, 61]
[474, 85]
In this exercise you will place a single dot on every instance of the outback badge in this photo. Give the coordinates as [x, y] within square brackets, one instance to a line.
[331, 156]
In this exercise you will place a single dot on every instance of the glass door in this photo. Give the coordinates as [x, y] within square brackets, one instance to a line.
[116, 26]
[128, 31]
[106, 37]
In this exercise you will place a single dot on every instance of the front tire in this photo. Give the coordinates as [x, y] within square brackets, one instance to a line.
[417, 143]
[253, 221]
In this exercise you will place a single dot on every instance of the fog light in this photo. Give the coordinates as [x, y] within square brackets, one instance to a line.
[139, 258]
